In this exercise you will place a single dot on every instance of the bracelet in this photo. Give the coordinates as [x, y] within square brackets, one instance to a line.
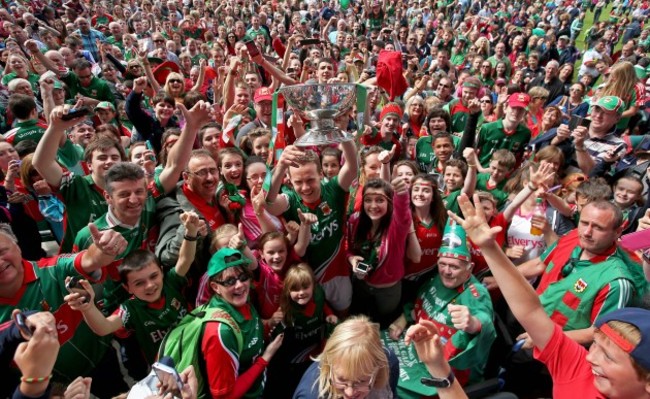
[532, 187]
[243, 245]
[471, 165]
[35, 380]
[190, 238]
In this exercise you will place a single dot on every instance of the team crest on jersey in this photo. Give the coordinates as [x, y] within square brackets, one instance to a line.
[580, 285]
[176, 304]
[325, 208]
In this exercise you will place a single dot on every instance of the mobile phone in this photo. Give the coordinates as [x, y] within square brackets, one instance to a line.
[575, 121]
[278, 329]
[168, 377]
[21, 322]
[309, 42]
[253, 51]
[363, 267]
[636, 241]
[585, 122]
[76, 113]
[73, 286]
[618, 148]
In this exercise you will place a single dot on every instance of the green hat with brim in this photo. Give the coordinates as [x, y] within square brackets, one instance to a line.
[454, 243]
[225, 258]
[640, 71]
[58, 84]
[611, 104]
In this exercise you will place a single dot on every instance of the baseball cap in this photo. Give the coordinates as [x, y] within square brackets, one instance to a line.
[639, 318]
[105, 105]
[520, 100]
[58, 84]
[262, 94]
[563, 37]
[611, 104]
[640, 71]
[225, 258]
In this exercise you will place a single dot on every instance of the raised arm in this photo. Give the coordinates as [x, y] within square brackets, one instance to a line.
[538, 181]
[304, 233]
[278, 203]
[45, 156]
[142, 56]
[32, 46]
[350, 168]
[519, 294]
[274, 71]
[199, 81]
[472, 164]
[179, 155]
[187, 252]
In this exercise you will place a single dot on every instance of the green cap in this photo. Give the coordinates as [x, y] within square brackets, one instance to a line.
[225, 258]
[454, 243]
[611, 104]
[539, 32]
[58, 84]
[105, 105]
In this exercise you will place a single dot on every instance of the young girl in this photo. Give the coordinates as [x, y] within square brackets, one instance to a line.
[429, 218]
[258, 142]
[254, 217]
[231, 173]
[378, 238]
[405, 170]
[331, 162]
[370, 169]
[306, 315]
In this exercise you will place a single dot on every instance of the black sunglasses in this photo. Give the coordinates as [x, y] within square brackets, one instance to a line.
[229, 282]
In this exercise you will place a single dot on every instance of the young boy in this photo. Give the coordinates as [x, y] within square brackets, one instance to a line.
[501, 163]
[156, 305]
[627, 192]
[459, 177]
[433, 152]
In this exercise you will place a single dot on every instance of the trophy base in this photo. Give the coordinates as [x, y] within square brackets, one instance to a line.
[322, 137]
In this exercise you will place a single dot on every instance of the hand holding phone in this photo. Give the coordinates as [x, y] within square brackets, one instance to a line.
[76, 113]
[21, 322]
[278, 329]
[169, 378]
[363, 268]
[253, 51]
[74, 287]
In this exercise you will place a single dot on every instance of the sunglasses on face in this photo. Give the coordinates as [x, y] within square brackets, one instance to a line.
[231, 281]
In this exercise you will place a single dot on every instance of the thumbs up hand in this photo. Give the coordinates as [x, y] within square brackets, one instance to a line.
[110, 242]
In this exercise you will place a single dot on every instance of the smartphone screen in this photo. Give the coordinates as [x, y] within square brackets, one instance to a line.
[21, 322]
[73, 286]
[575, 121]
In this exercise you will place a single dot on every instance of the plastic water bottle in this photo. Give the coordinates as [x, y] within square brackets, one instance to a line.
[539, 211]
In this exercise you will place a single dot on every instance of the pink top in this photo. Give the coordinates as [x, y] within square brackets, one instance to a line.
[390, 265]
[252, 229]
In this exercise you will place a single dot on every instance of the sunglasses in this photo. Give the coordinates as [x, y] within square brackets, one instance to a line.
[231, 281]
[486, 102]
[159, 41]
[175, 81]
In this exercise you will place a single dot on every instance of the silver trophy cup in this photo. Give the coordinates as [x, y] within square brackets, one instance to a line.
[321, 104]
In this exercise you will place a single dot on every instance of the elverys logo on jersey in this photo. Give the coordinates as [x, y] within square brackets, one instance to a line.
[325, 230]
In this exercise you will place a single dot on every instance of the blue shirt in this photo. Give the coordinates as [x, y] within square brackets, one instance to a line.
[89, 41]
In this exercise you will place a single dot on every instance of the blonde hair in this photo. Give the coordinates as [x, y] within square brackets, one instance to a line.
[298, 277]
[621, 82]
[225, 230]
[355, 350]
[177, 76]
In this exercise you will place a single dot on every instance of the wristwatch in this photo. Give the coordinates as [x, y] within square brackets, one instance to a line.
[439, 382]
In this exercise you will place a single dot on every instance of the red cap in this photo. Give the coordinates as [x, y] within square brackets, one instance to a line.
[263, 94]
[391, 109]
[519, 100]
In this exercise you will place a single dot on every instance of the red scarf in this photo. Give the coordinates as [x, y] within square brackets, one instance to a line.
[211, 213]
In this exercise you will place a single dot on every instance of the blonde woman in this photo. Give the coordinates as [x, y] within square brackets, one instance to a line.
[483, 47]
[538, 97]
[620, 83]
[354, 364]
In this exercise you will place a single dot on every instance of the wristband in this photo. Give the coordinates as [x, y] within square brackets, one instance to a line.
[532, 187]
[35, 380]
[190, 238]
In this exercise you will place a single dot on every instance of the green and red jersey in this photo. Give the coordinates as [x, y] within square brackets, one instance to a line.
[493, 136]
[592, 287]
[143, 235]
[430, 240]
[482, 183]
[84, 202]
[32, 129]
[325, 253]
[151, 321]
[43, 289]
[467, 353]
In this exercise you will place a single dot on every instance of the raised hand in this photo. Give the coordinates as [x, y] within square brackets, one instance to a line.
[200, 114]
[307, 219]
[140, 84]
[386, 156]
[238, 241]
[110, 242]
[190, 221]
[475, 223]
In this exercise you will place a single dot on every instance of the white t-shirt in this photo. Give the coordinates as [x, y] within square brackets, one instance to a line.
[519, 234]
